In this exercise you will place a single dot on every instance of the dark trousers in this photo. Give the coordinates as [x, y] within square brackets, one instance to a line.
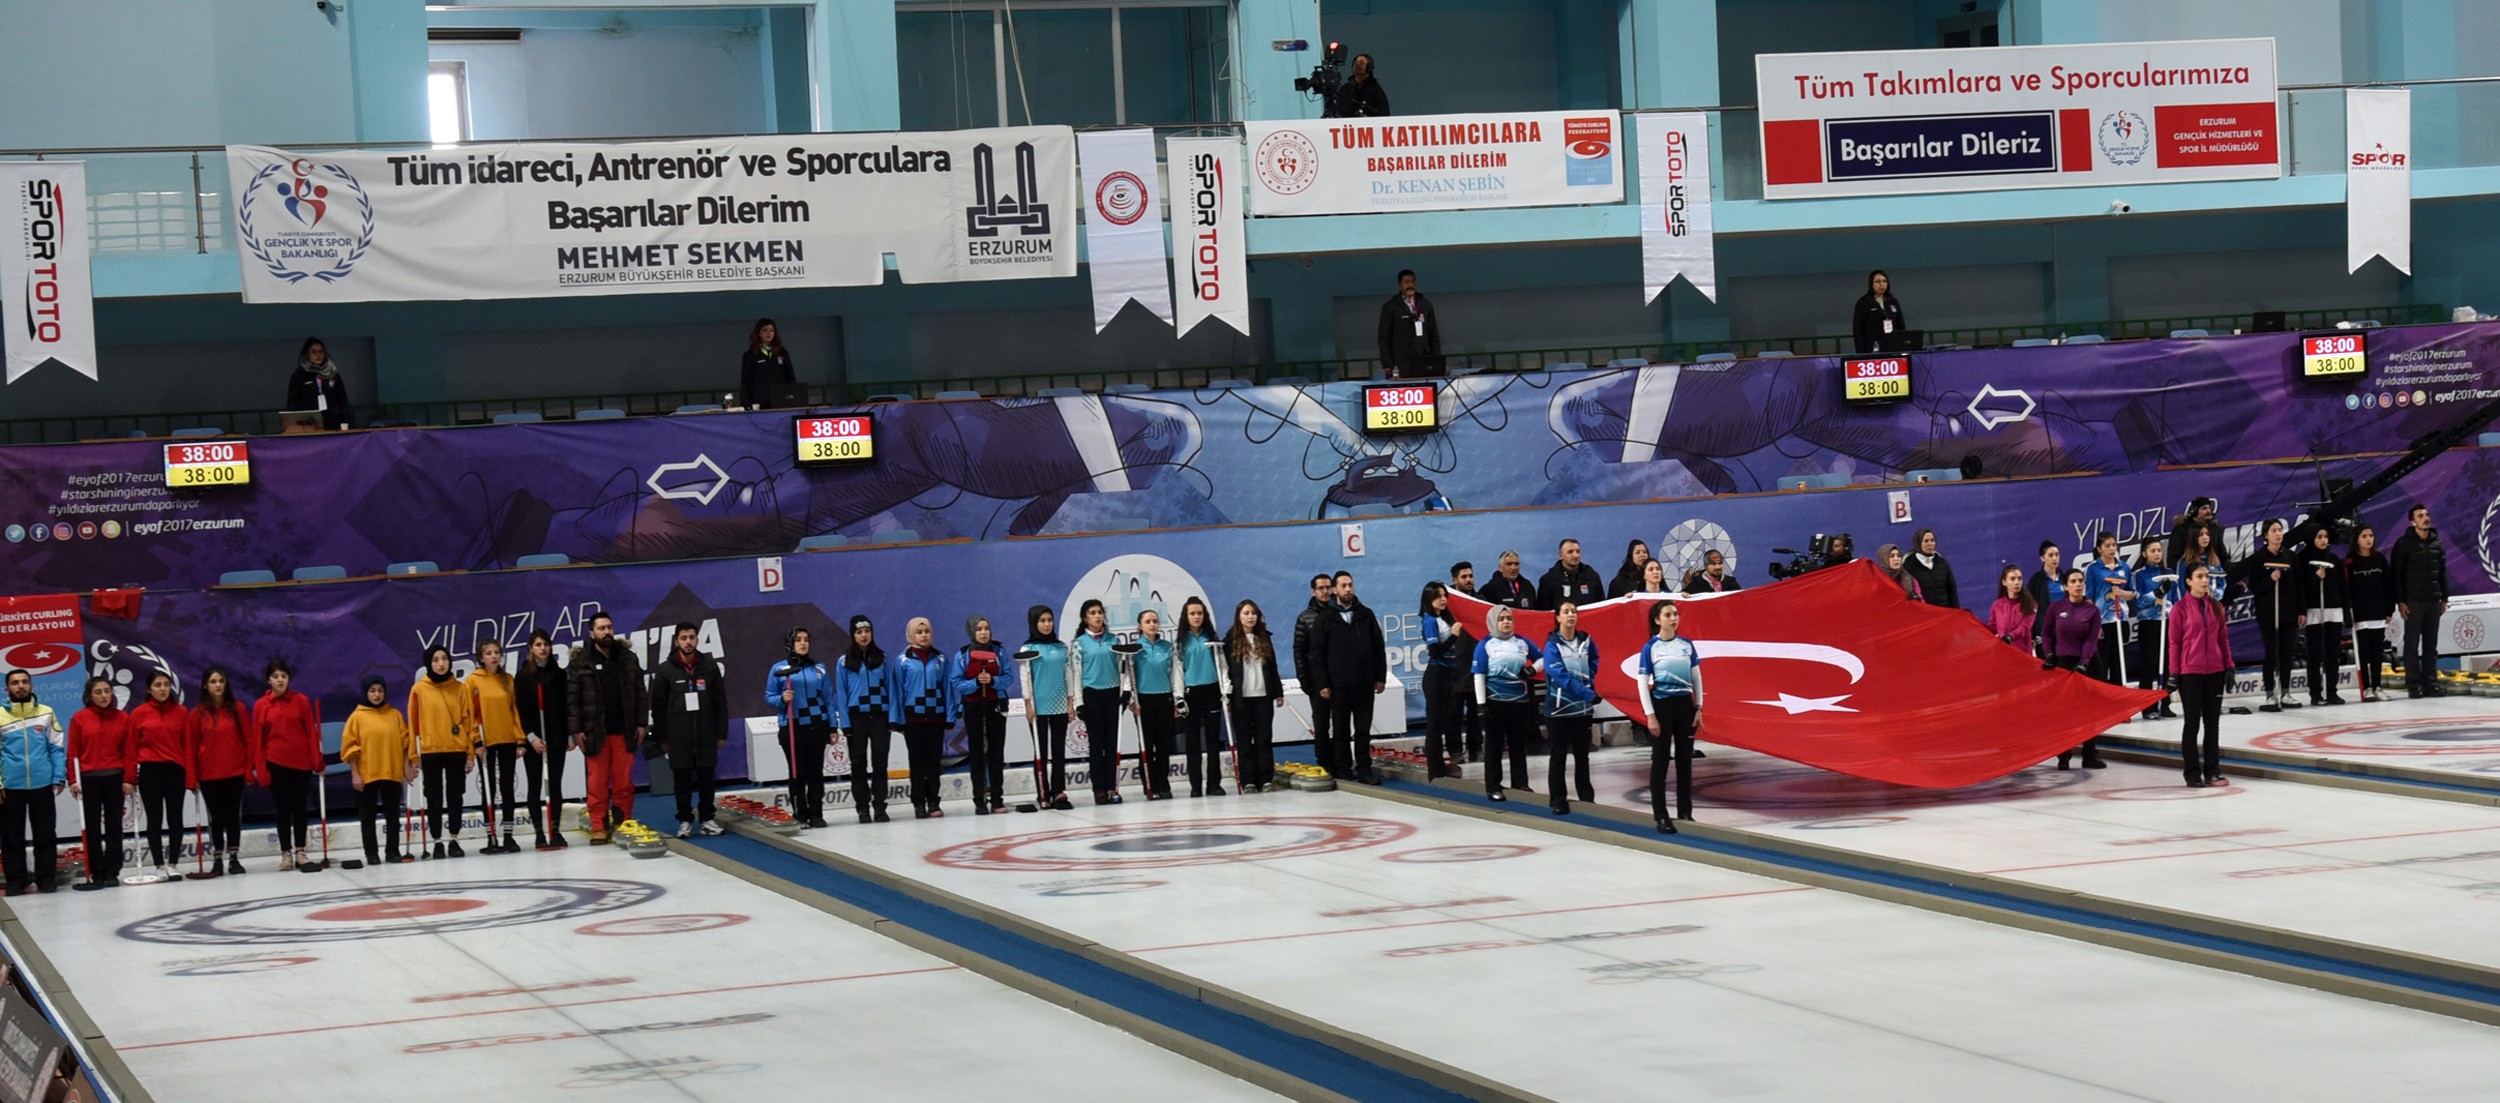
[1445, 690]
[101, 792]
[161, 786]
[1050, 757]
[871, 739]
[2105, 661]
[2369, 647]
[1155, 737]
[289, 789]
[1567, 737]
[1672, 747]
[1347, 735]
[2278, 635]
[806, 751]
[502, 768]
[1507, 727]
[2421, 646]
[2089, 748]
[924, 745]
[20, 806]
[379, 799]
[546, 774]
[1100, 710]
[2326, 659]
[2146, 662]
[446, 789]
[2200, 697]
[1254, 739]
[1202, 738]
[695, 787]
[1472, 715]
[223, 797]
[985, 751]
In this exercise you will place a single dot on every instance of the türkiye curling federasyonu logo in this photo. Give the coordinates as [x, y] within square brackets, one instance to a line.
[303, 220]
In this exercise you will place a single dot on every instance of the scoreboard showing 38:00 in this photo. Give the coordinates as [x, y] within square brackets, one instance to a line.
[208, 465]
[1873, 379]
[1396, 408]
[835, 440]
[2334, 355]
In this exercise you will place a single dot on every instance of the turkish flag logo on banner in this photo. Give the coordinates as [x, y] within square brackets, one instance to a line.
[1840, 670]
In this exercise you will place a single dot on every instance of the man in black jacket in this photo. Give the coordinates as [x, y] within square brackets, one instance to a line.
[1471, 720]
[1351, 660]
[690, 718]
[609, 713]
[1569, 580]
[1321, 594]
[1508, 586]
[2421, 568]
[1361, 96]
[1410, 332]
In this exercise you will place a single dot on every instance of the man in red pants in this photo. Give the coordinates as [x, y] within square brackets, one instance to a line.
[610, 714]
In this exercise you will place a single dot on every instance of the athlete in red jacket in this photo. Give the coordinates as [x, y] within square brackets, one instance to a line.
[289, 733]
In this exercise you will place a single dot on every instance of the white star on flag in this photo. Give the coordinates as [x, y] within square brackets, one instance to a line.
[1795, 704]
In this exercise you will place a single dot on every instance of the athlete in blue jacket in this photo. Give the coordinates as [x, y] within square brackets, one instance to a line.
[1671, 696]
[865, 708]
[984, 680]
[800, 690]
[924, 700]
[1571, 703]
[1504, 663]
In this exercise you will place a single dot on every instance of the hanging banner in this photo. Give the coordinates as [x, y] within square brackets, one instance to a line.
[41, 635]
[47, 302]
[1209, 279]
[580, 218]
[1675, 205]
[1903, 121]
[1124, 223]
[1433, 163]
[2378, 177]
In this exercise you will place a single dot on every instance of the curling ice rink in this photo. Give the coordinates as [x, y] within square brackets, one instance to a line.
[1578, 970]
[2455, 735]
[584, 973]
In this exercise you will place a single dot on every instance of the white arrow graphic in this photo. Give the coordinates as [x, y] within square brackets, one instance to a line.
[699, 493]
[1992, 419]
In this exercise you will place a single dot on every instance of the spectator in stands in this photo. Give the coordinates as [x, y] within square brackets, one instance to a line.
[2420, 568]
[2184, 538]
[1305, 625]
[1463, 578]
[2073, 641]
[1713, 577]
[2322, 593]
[1877, 323]
[316, 385]
[2012, 615]
[1361, 96]
[1889, 559]
[1463, 581]
[1508, 586]
[2266, 574]
[1569, 579]
[1933, 575]
[765, 367]
[1410, 332]
[2371, 585]
[2043, 589]
[1628, 573]
[1653, 580]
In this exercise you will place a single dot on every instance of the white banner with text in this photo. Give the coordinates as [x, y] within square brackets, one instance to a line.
[47, 299]
[1124, 224]
[1210, 278]
[1902, 121]
[1675, 204]
[1434, 163]
[2378, 177]
[580, 218]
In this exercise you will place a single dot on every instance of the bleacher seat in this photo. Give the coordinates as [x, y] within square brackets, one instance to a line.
[1935, 475]
[824, 540]
[136, 433]
[542, 559]
[1226, 384]
[1567, 365]
[1775, 354]
[2189, 333]
[896, 536]
[2087, 339]
[246, 578]
[393, 423]
[2030, 342]
[1290, 381]
[1126, 388]
[413, 566]
[698, 408]
[957, 394]
[2487, 440]
[603, 413]
[1371, 509]
[1714, 358]
[323, 573]
[1126, 524]
[1628, 362]
[519, 417]
[1813, 482]
[1061, 392]
[200, 431]
[888, 397]
[2366, 323]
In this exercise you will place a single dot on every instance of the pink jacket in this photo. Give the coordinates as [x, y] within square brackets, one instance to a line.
[2200, 637]
[2007, 619]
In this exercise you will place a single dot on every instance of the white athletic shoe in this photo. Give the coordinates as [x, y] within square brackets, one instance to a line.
[286, 861]
[685, 831]
[713, 827]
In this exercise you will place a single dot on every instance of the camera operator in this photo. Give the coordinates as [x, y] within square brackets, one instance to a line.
[1361, 96]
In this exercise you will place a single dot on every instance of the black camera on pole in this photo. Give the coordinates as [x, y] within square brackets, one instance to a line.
[1325, 80]
[1823, 551]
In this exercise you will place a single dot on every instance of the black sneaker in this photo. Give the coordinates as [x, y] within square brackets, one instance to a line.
[456, 852]
[1061, 803]
[1666, 826]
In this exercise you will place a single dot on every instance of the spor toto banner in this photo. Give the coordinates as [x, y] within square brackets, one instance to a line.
[541, 219]
[1434, 162]
[2378, 177]
[1209, 276]
[1675, 205]
[47, 302]
[2017, 117]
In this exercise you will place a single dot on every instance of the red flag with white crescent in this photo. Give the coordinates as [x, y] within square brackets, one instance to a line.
[1840, 670]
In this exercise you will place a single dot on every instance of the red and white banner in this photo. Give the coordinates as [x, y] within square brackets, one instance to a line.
[1838, 670]
[47, 300]
[1123, 223]
[1434, 162]
[1209, 278]
[2378, 177]
[1904, 121]
[1675, 205]
[41, 635]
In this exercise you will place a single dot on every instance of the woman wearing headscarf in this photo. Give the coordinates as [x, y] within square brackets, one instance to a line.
[1933, 575]
[864, 707]
[924, 703]
[1888, 559]
[445, 727]
[799, 690]
[1050, 694]
[1504, 663]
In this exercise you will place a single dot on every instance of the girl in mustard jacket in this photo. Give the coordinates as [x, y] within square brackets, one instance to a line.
[445, 725]
[379, 757]
[499, 730]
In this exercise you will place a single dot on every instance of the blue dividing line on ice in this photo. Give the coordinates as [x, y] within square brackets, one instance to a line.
[2080, 916]
[1313, 1061]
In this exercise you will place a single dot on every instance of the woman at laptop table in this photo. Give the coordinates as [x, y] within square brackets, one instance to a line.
[316, 385]
[1877, 323]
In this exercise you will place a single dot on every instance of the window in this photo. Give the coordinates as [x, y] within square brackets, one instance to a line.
[1083, 62]
[447, 101]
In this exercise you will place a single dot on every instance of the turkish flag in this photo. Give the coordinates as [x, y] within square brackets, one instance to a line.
[1840, 670]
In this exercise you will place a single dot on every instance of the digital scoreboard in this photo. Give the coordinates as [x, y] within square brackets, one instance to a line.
[1396, 408]
[835, 441]
[2334, 355]
[1867, 380]
[201, 466]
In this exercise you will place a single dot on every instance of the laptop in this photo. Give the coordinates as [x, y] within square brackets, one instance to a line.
[299, 421]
